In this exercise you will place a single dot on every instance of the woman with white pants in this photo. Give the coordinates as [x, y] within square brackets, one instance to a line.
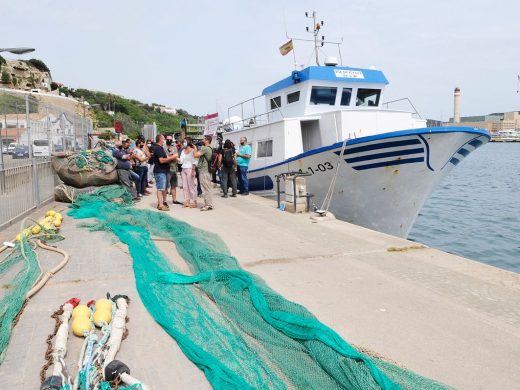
[188, 176]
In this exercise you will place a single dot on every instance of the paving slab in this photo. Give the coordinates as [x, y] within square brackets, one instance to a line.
[448, 318]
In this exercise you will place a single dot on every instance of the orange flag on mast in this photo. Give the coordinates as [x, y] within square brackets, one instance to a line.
[286, 48]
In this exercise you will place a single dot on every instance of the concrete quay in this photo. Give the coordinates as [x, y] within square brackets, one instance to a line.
[442, 316]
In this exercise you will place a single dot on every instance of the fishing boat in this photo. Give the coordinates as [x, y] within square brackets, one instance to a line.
[378, 164]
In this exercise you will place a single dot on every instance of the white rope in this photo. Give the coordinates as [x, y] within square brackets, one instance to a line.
[330, 192]
[60, 345]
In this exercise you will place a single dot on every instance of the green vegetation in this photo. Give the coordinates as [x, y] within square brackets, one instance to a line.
[132, 113]
[38, 64]
[6, 79]
[2, 61]
[15, 104]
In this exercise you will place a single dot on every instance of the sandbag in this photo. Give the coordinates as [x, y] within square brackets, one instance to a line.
[85, 169]
[68, 194]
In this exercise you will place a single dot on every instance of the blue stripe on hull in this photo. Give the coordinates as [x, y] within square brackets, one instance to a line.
[384, 155]
[389, 163]
[454, 161]
[476, 143]
[463, 151]
[381, 145]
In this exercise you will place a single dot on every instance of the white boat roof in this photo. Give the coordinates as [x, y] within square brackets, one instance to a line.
[329, 73]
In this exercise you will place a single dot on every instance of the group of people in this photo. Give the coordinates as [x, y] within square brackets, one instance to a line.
[161, 161]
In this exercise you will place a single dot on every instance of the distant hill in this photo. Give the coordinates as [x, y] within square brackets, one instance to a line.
[108, 108]
[25, 74]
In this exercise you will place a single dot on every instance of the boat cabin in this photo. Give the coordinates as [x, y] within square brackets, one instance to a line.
[316, 107]
[319, 89]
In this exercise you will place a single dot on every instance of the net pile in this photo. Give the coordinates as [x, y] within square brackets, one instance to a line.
[227, 321]
[87, 168]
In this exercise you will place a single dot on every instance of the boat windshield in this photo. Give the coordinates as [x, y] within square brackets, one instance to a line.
[368, 97]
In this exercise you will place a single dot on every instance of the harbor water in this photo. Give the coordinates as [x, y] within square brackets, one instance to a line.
[475, 212]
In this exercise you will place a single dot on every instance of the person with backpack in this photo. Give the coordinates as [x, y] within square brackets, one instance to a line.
[206, 166]
[228, 167]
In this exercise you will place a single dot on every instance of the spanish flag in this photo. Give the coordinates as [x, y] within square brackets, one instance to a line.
[286, 48]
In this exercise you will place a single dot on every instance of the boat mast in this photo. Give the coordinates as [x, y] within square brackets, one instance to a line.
[318, 41]
[316, 27]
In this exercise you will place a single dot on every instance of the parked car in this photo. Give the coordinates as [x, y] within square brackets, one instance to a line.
[21, 152]
[41, 148]
[11, 148]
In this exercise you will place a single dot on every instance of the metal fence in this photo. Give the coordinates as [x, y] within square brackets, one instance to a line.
[32, 127]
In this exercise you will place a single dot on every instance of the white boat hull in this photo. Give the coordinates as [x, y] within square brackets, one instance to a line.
[383, 180]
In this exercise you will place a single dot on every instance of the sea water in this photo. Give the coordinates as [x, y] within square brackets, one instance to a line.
[475, 211]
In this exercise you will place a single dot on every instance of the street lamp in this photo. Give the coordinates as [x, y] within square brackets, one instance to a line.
[18, 50]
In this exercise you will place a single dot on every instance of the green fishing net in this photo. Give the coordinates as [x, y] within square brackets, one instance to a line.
[227, 321]
[19, 270]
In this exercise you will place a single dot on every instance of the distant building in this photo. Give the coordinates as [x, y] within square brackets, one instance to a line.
[433, 123]
[494, 122]
[168, 110]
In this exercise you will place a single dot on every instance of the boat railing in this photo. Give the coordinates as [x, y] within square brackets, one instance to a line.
[403, 100]
[255, 119]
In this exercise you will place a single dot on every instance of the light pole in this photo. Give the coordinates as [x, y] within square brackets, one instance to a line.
[18, 50]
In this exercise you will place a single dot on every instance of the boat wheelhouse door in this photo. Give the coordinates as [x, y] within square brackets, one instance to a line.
[311, 136]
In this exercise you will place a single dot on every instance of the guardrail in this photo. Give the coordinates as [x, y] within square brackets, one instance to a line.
[32, 125]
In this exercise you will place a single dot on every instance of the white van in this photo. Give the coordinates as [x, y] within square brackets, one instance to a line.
[41, 148]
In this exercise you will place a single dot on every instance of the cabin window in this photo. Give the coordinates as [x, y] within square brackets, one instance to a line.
[346, 94]
[368, 97]
[293, 97]
[264, 148]
[323, 95]
[276, 102]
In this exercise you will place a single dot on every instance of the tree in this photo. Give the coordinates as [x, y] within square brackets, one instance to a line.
[38, 64]
[2, 61]
[54, 86]
[6, 78]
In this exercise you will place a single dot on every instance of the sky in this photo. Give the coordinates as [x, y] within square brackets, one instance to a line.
[204, 56]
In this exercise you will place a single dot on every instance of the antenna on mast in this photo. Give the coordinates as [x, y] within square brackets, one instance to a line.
[316, 27]
[319, 41]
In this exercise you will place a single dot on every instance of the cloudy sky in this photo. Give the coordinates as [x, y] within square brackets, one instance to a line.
[207, 55]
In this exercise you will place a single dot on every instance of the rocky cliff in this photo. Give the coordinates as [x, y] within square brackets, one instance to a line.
[25, 75]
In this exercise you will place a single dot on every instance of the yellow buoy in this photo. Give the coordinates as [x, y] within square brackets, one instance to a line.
[103, 304]
[57, 223]
[47, 226]
[102, 317]
[17, 237]
[36, 229]
[58, 215]
[81, 311]
[27, 232]
[80, 325]
[51, 213]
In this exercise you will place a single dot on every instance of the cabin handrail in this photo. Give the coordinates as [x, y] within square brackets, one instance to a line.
[252, 120]
[400, 100]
